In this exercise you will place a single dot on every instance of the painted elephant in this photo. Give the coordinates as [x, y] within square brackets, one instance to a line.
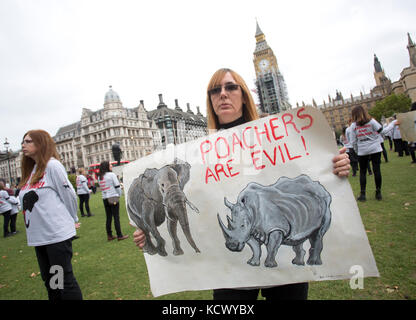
[288, 212]
[158, 194]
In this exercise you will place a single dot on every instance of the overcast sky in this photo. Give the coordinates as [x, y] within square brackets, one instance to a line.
[59, 56]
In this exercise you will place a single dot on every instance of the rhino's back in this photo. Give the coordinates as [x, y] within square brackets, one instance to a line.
[296, 206]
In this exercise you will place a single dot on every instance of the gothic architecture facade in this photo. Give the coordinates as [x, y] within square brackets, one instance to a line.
[338, 110]
[270, 83]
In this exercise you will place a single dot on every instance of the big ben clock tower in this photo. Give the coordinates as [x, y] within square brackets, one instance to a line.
[271, 87]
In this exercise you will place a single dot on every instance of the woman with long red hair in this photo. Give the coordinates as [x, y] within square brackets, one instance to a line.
[49, 204]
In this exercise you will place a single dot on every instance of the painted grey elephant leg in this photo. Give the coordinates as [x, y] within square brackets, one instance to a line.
[160, 247]
[183, 220]
[149, 247]
[300, 255]
[172, 225]
[316, 249]
[275, 240]
[255, 247]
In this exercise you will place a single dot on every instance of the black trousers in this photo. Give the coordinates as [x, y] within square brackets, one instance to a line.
[13, 218]
[401, 146]
[412, 153]
[6, 217]
[58, 255]
[390, 143]
[384, 152]
[84, 199]
[363, 161]
[110, 212]
[353, 160]
[296, 291]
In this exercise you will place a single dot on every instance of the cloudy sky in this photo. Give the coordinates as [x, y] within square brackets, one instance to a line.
[59, 56]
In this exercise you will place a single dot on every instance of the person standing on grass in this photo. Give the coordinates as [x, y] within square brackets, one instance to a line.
[412, 144]
[13, 214]
[110, 189]
[229, 104]
[6, 202]
[350, 150]
[49, 204]
[365, 137]
[83, 193]
[400, 146]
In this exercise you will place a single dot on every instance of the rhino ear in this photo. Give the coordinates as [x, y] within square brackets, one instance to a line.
[228, 204]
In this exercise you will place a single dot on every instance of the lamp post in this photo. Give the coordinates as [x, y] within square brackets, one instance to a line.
[6, 146]
[132, 142]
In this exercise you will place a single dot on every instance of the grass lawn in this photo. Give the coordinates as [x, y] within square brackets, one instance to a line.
[117, 270]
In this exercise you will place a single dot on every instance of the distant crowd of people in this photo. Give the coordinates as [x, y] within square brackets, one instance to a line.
[364, 139]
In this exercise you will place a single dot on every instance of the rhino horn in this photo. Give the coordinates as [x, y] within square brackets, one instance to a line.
[227, 233]
[228, 204]
[231, 224]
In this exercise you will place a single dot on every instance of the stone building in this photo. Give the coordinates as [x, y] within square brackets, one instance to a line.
[407, 82]
[338, 110]
[138, 132]
[90, 140]
[10, 163]
[177, 126]
[270, 83]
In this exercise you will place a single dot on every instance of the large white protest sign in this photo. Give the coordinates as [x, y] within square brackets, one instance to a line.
[407, 125]
[252, 206]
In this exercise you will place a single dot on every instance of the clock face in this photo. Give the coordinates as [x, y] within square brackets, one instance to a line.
[264, 64]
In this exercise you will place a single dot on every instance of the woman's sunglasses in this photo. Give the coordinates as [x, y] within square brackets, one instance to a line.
[229, 87]
[27, 141]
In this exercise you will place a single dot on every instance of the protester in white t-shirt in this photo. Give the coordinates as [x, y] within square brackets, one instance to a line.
[111, 192]
[365, 137]
[49, 206]
[83, 192]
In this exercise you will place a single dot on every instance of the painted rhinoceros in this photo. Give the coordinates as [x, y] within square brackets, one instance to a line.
[157, 195]
[288, 212]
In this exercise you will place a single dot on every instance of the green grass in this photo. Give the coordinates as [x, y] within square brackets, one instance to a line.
[117, 270]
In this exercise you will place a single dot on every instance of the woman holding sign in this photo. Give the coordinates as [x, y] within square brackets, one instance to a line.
[229, 104]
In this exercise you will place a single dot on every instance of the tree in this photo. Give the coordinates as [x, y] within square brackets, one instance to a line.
[73, 179]
[394, 103]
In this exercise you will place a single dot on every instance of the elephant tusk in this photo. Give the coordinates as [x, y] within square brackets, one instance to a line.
[166, 211]
[192, 206]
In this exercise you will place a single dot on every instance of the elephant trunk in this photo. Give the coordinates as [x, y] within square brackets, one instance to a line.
[183, 221]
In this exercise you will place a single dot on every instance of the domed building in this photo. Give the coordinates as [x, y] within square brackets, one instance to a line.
[89, 141]
[137, 131]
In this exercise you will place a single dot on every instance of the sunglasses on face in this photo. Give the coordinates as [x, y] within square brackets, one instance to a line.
[229, 87]
[27, 141]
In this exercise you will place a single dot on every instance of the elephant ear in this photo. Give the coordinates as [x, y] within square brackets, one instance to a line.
[182, 169]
